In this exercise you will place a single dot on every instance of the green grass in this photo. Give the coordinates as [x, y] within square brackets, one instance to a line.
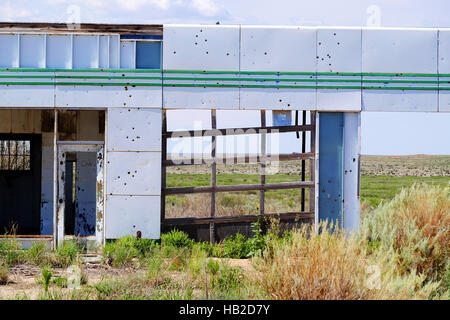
[375, 189]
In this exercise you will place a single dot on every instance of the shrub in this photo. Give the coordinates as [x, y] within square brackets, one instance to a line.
[121, 252]
[235, 247]
[256, 244]
[414, 225]
[331, 265]
[66, 254]
[10, 251]
[226, 281]
[177, 239]
[37, 254]
[47, 274]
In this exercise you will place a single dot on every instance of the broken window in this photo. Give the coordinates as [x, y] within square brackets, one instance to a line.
[15, 155]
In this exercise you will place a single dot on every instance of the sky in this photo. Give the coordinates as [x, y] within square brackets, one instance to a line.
[381, 133]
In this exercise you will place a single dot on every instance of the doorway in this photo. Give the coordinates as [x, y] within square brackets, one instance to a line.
[20, 184]
[80, 191]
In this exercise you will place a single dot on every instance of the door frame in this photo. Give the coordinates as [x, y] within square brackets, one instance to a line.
[64, 147]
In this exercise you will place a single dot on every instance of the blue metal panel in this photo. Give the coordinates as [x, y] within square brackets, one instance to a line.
[281, 118]
[331, 156]
[148, 55]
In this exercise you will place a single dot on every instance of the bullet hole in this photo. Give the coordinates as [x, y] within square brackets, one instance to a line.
[265, 53]
[174, 52]
[128, 172]
[60, 200]
[354, 159]
[196, 43]
[320, 43]
[207, 52]
[334, 34]
[196, 35]
[206, 40]
[338, 43]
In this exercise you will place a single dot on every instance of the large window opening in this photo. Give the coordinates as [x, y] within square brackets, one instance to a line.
[236, 167]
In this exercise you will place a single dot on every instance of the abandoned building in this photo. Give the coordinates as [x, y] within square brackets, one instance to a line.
[83, 128]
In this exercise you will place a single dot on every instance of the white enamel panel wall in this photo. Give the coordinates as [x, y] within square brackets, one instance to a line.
[98, 96]
[127, 215]
[399, 51]
[338, 50]
[444, 69]
[278, 49]
[133, 172]
[352, 149]
[197, 48]
[134, 129]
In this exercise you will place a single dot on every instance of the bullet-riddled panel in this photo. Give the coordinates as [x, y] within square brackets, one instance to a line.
[200, 47]
[126, 89]
[127, 215]
[134, 173]
[134, 129]
[281, 66]
[339, 68]
[444, 70]
[201, 61]
[352, 149]
[399, 65]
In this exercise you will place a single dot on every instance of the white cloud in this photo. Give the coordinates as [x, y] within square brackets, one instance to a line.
[14, 13]
[134, 5]
[206, 7]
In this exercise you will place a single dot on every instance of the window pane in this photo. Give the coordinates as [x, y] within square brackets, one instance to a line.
[148, 55]
[15, 155]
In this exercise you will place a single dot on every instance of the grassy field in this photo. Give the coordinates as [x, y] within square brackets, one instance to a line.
[388, 181]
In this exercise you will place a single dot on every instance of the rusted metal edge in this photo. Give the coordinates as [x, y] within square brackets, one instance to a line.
[242, 187]
[152, 29]
[233, 219]
[237, 131]
[236, 159]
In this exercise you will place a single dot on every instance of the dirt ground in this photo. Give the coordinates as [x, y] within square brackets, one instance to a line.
[23, 279]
